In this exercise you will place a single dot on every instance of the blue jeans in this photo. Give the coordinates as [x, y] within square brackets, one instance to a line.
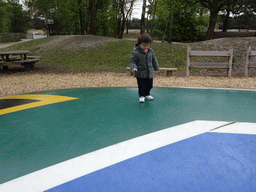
[144, 85]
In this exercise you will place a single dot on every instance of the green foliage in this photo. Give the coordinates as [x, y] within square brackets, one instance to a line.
[19, 18]
[156, 33]
[64, 18]
[5, 18]
[64, 13]
[43, 6]
[13, 18]
[106, 19]
[188, 25]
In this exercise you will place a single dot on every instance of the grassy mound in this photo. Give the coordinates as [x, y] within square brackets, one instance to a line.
[94, 53]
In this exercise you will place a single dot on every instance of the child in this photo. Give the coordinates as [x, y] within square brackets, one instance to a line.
[143, 63]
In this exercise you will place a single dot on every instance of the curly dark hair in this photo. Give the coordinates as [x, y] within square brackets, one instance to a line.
[144, 38]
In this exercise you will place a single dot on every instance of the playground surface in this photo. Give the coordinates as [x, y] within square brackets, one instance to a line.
[103, 139]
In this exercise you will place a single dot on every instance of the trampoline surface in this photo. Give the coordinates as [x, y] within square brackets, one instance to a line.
[103, 139]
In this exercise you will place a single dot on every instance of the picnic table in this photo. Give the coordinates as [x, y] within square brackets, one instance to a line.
[11, 57]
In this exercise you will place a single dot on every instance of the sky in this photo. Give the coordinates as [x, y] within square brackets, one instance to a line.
[137, 9]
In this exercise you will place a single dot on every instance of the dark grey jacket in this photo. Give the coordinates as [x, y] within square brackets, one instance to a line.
[145, 64]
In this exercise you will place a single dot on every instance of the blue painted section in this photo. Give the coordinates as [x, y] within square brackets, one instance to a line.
[207, 162]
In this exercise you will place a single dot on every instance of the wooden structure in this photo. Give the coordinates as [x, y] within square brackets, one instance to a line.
[221, 65]
[249, 64]
[10, 58]
[169, 71]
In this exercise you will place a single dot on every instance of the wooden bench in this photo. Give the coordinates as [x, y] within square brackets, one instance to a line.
[169, 71]
[29, 62]
[221, 65]
[249, 64]
[2, 64]
[34, 57]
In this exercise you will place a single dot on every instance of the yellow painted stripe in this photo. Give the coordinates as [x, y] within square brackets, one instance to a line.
[44, 100]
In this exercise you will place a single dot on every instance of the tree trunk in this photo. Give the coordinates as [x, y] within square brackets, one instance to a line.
[123, 18]
[142, 30]
[92, 21]
[103, 20]
[81, 17]
[129, 21]
[171, 23]
[127, 26]
[115, 8]
[81, 22]
[118, 27]
[153, 23]
[86, 27]
[89, 17]
[212, 24]
[122, 27]
[76, 28]
[226, 22]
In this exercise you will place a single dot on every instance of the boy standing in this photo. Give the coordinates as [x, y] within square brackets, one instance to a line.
[143, 63]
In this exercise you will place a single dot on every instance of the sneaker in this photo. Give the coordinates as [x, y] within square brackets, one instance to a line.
[149, 97]
[142, 99]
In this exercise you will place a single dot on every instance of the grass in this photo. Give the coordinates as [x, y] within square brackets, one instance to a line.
[113, 56]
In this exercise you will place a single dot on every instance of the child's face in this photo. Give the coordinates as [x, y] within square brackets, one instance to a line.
[145, 46]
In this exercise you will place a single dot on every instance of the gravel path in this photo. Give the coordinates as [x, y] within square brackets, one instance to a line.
[18, 83]
[4, 45]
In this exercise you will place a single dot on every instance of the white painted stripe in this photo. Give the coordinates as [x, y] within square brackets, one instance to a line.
[210, 88]
[74, 168]
[238, 128]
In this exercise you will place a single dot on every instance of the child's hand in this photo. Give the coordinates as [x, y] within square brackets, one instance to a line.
[133, 71]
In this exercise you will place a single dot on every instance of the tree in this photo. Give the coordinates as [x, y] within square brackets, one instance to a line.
[122, 9]
[142, 30]
[188, 21]
[129, 20]
[19, 19]
[5, 18]
[240, 7]
[244, 21]
[13, 18]
[78, 11]
[171, 23]
[65, 14]
[152, 13]
[103, 18]
[92, 17]
[226, 20]
[46, 7]
[66, 17]
[215, 6]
